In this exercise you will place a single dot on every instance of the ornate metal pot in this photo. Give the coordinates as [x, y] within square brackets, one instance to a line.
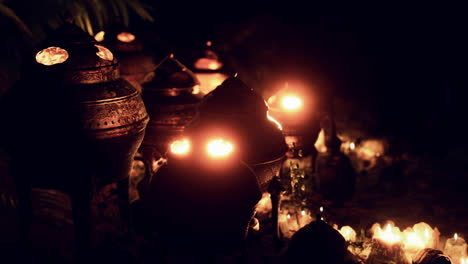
[136, 62]
[88, 124]
[171, 105]
[216, 172]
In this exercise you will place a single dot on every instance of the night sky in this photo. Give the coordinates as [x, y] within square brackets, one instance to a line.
[402, 62]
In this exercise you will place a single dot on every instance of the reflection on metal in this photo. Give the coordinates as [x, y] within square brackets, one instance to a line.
[126, 37]
[104, 53]
[99, 37]
[51, 56]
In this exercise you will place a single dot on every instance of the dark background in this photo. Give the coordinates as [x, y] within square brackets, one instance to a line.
[404, 62]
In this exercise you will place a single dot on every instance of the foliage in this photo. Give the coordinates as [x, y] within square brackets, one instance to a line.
[24, 23]
[90, 15]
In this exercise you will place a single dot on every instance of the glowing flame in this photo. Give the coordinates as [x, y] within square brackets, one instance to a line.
[264, 205]
[209, 81]
[289, 216]
[321, 209]
[390, 234]
[104, 53]
[291, 103]
[348, 233]
[180, 147]
[455, 237]
[51, 56]
[126, 37]
[219, 148]
[272, 119]
[99, 37]
[208, 64]
[303, 213]
[352, 146]
[256, 226]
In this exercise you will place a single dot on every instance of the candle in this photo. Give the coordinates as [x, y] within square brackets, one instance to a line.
[304, 218]
[456, 248]
[387, 246]
[348, 233]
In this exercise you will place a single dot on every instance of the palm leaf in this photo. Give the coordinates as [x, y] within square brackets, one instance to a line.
[141, 10]
[7, 12]
[123, 11]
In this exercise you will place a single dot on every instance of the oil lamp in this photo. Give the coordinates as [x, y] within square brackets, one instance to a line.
[87, 125]
[171, 105]
[216, 172]
[136, 62]
[299, 112]
[209, 69]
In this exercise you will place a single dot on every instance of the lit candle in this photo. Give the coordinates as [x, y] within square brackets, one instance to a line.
[348, 233]
[456, 248]
[304, 218]
[387, 246]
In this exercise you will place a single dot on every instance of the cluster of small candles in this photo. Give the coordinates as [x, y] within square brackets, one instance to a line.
[411, 240]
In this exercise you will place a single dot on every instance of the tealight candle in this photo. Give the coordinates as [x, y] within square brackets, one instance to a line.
[456, 248]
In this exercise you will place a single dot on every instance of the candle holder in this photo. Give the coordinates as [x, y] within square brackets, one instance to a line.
[89, 121]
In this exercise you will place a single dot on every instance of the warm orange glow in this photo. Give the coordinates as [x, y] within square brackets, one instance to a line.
[126, 37]
[291, 102]
[51, 56]
[278, 124]
[390, 234]
[208, 64]
[209, 81]
[219, 148]
[348, 233]
[463, 260]
[180, 147]
[320, 143]
[196, 89]
[321, 209]
[455, 237]
[264, 205]
[370, 149]
[352, 146]
[104, 53]
[99, 37]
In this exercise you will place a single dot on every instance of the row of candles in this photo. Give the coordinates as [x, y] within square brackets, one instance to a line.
[411, 240]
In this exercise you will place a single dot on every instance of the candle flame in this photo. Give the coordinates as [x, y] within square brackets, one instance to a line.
[352, 146]
[348, 233]
[455, 237]
[289, 216]
[321, 209]
[219, 148]
[303, 213]
[291, 102]
[390, 234]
